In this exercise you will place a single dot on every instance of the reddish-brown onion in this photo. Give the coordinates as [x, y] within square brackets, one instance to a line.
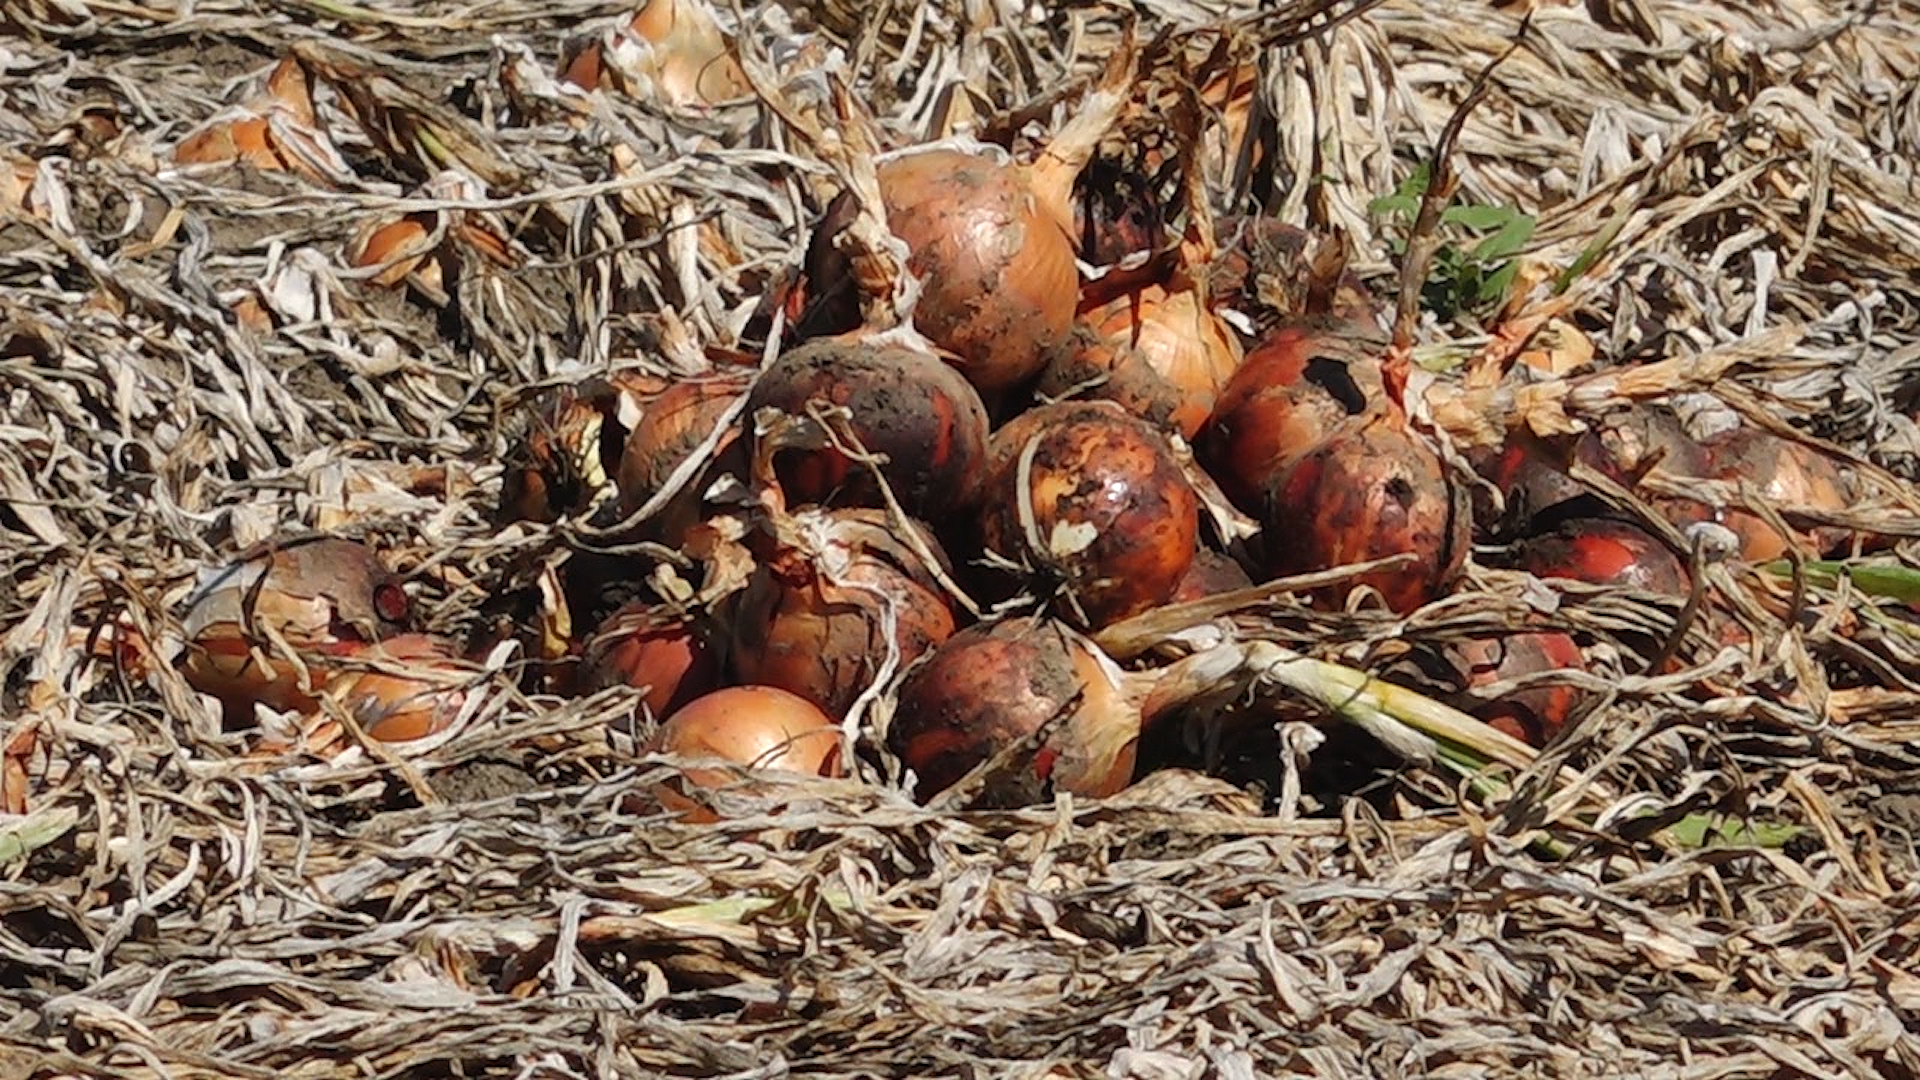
[1210, 575]
[756, 727]
[1290, 394]
[1782, 473]
[1112, 515]
[1603, 551]
[1535, 714]
[905, 403]
[402, 706]
[646, 646]
[988, 687]
[1159, 351]
[320, 597]
[1368, 493]
[673, 427]
[814, 619]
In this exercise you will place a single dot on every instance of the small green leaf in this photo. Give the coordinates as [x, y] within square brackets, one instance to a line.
[1480, 218]
[1508, 241]
[1494, 289]
[1591, 254]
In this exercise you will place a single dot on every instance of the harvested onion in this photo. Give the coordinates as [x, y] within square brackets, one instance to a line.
[904, 403]
[1790, 474]
[264, 629]
[671, 50]
[990, 686]
[1534, 714]
[663, 653]
[422, 698]
[755, 727]
[1603, 551]
[669, 433]
[831, 605]
[1093, 498]
[990, 240]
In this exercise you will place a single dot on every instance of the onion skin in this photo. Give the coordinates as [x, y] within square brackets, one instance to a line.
[758, 727]
[324, 597]
[995, 258]
[1113, 515]
[919, 412]
[1534, 475]
[669, 432]
[1159, 352]
[1534, 715]
[821, 633]
[645, 646]
[988, 687]
[1603, 551]
[399, 708]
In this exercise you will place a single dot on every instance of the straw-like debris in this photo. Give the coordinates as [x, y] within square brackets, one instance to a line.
[268, 270]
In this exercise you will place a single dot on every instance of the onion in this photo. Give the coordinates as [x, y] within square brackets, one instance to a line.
[1786, 474]
[1366, 494]
[398, 707]
[1157, 349]
[1293, 392]
[655, 649]
[1533, 715]
[1093, 498]
[321, 598]
[1210, 575]
[905, 403]
[1534, 475]
[988, 687]
[1604, 551]
[757, 727]
[831, 605]
[671, 430]
[990, 240]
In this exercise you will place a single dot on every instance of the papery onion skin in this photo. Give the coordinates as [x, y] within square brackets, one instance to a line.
[758, 727]
[990, 686]
[1369, 493]
[399, 708]
[1210, 575]
[646, 646]
[1159, 354]
[1783, 473]
[1290, 394]
[671, 430]
[1114, 517]
[826, 640]
[321, 596]
[908, 405]
[1603, 551]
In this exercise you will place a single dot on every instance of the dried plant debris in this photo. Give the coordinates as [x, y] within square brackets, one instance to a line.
[360, 269]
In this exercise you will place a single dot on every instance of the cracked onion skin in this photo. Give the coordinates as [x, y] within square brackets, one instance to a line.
[1292, 392]
[1114, 517]
[995, 255]
[823, 635]
[756, 727]
[906, 404]
[990, 686]
[324, 597]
